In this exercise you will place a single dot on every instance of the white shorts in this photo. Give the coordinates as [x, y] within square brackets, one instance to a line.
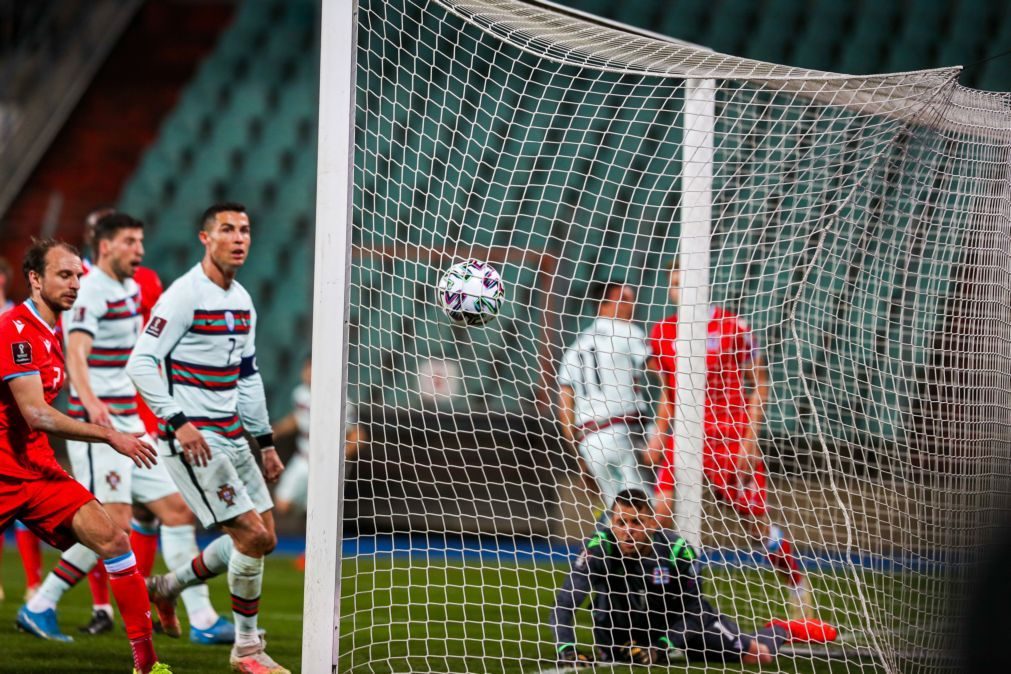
[114, 478]
[612, 458]
[294, 484]
[228, 486]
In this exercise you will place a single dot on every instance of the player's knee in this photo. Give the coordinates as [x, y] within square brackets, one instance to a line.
[256, 541]
[269, 542]
[113, 544]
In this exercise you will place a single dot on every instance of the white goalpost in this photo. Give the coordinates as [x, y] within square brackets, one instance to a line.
[848, 229]
[329, 346]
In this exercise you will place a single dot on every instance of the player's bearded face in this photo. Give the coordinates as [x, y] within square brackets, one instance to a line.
[126, 251]
[58, 286]
[633, 530]
[227, 239]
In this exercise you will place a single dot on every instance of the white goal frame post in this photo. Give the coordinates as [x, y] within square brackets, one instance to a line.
[331, 289]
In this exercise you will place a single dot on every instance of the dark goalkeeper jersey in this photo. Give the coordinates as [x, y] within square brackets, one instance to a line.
[663, 586]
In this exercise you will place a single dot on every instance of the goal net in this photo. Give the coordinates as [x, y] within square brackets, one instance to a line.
[843, 256]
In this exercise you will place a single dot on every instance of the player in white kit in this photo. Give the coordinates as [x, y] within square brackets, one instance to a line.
[101, 329]
[202, 338]
[293, 489]
[602, 393]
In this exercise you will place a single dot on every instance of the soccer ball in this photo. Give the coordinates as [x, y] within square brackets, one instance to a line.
[471, 293]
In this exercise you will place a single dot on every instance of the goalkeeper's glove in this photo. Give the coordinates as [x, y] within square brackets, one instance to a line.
[568, 655]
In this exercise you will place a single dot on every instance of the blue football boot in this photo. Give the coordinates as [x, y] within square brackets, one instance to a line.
[43, 624]
[221, 632]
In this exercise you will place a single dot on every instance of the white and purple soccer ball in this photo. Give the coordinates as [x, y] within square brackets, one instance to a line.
[471, 293]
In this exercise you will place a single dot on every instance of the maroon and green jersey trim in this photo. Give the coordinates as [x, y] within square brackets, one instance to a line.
[124, 308]
[204, 376]
[229, 427]
[100, 357]
[119, 406]
[218, 323]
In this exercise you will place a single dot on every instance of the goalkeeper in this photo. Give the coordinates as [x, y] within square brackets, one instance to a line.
[647, 598]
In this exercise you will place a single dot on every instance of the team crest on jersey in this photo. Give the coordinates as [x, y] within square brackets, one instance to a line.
[113, 479]
[661, 575]
[155, 327]
[226, 493]
[230, 321]
[22, 352]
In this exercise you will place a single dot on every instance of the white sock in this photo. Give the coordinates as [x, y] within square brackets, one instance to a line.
[245, 579]
[179, 546]
[74, 566]
[213, 561]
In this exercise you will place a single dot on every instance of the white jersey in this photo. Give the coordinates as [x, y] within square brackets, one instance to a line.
[301, 397]
[109, 311]
[203, 336]
[605, 367]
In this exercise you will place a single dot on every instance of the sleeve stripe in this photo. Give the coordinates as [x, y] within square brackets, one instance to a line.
[20, 374]
[84, 330]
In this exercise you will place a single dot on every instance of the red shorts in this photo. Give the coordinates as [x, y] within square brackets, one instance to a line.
[45, 505]
[719, 463]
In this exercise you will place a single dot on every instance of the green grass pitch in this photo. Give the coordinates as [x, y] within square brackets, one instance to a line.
[396, 617]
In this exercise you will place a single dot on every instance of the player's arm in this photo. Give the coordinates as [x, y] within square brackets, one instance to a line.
[567, 413]
[79, 345]
[170, 320]
[756, 378]
[81, 324]
[574, 591]
[286, 427]
[253, 407]
[664, 420]
[41, 416]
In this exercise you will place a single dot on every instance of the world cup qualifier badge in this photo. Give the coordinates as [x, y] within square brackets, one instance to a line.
[22, 353]
[155, 327]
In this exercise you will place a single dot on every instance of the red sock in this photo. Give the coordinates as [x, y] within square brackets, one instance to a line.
[786, 562]
[144, 543]
[31, 555]
[98, 581]
[131, 596]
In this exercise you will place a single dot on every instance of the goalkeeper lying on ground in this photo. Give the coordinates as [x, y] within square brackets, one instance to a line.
[647, 598]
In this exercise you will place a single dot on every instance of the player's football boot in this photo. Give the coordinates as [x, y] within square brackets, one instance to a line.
[43, 625]
[221, 632]
[164, 603]
[101, 622]
[159, 668]
[253, 659]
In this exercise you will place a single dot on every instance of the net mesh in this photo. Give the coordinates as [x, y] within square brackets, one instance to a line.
[859, 248]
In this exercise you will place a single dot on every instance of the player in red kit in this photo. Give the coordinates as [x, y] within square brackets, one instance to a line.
[34, 488]
[737, 385]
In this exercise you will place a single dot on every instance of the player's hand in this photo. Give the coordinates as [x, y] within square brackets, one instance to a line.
[142, 453]
[654, 449]
[272, 465]
[570, 656]
[196, 451]
[98, 413]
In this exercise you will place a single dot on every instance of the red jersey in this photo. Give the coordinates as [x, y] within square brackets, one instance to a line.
[28, 346]
[730, 348]
[150, 290]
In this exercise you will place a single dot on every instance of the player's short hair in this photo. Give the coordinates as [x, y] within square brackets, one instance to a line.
[634, 498]
[35, 256]
[602, 290]
[109, 225]
[222, 207]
